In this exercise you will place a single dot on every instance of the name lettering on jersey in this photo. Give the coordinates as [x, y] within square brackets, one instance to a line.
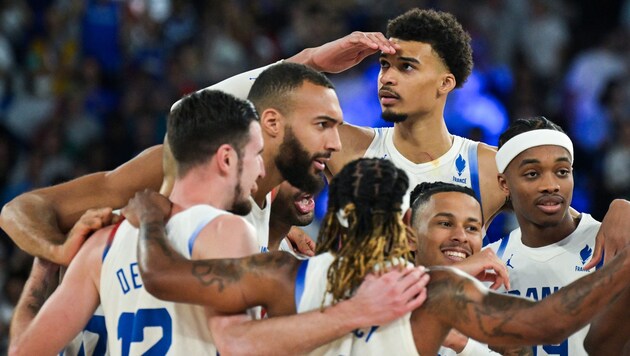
[129, 278]
[459, 180]
[535, 293]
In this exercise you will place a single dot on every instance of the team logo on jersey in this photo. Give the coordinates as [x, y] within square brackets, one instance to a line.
[385, 156]
[460, 164]
[585, 254]
[508, 263]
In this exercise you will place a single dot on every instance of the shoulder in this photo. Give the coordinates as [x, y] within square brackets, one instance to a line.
[355, 140]
[226, 236]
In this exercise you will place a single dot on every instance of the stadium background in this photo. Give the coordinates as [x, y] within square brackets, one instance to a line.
[86, 85]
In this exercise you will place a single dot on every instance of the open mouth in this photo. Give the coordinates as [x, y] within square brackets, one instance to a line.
[305, 203]
[550, 204]
[455, 255]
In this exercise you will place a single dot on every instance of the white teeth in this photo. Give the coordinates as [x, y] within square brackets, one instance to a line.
[455, 254]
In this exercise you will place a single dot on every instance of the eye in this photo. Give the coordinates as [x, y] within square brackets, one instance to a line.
[472, 228]
[530, 174]
[384, 63]
[564, 172]
[444, 223]
[407, 67]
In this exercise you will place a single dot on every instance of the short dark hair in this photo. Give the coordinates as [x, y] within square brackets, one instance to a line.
[203, 121]
[527, 124]
[443, 32]
[421, 194]
[273, 86]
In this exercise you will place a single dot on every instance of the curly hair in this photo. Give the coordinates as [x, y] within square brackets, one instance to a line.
[443, 32]
[369, 193]
[527, 124]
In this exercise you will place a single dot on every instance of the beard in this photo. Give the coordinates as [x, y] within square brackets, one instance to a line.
[241, 205]
[393, 117]
[294, 163]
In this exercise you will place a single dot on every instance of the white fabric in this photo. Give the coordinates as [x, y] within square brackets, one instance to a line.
[521, 142]
[537, 272]
[441, 169]
[124, 298]
[238, 85]
[395, 338]
[260, 219]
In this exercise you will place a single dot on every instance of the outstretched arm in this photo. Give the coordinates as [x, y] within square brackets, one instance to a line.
[37, 221]
[609, 333]
[457, 301]
[44, 328]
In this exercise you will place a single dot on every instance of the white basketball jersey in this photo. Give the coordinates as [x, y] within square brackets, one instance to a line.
[139, 323]
[92, 340]
[538, 272]
[458, 165]
[260, 219]
[392, 339]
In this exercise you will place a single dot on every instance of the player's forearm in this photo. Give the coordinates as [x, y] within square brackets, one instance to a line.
[39, 286]
[31, 222]
[505, 320]
[295, 334]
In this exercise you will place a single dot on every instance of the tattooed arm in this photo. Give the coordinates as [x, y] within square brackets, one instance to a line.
[232, 285]
[40, 328]
[609, 332]
[457, 301]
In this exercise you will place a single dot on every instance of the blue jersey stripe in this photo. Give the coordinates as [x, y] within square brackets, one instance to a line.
[502, 246]
[300, 280]
[195, 234]
[474, 170]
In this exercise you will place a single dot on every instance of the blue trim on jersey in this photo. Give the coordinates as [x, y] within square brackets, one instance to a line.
[195, 234]
[502, 246]
[110, 239]
[300, 279]
[474, 170]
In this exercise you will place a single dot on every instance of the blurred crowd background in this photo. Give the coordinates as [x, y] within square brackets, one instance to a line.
[87, 84]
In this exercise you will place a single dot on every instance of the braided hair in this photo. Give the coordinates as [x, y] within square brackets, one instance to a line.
[369, 193]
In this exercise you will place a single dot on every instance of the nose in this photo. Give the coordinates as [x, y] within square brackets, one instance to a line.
[549, 184]
[333, 143]
[262, 168]
[386, 77]
[459, 234]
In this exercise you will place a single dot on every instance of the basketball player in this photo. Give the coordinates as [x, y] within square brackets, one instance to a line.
[363, 232]
[551, 246]
[290, 207]
[217, 144]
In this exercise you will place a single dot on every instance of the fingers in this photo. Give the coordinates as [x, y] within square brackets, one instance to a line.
[598, 251]
[375, 41]
[414, 282]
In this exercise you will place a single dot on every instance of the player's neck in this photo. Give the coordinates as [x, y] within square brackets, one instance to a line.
[277, 231]
[422, 139]
[534, 235]
[195, 190]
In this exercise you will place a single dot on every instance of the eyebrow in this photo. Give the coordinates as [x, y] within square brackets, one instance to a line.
[534, 160]
[450, 215]
[400, 58]
[330, 119]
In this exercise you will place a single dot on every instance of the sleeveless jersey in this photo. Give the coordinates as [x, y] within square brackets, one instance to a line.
[260, 219]
[458, 165]
[310, 290]
[92, 340]
[139, 323]
[535, 273]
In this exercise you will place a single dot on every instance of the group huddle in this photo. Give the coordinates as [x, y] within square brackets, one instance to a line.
[212, 264]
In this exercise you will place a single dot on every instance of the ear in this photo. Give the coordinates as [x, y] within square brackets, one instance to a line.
[411, 233]
[271, 122]
[503, 184]
[448, 83]
[225, 158]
